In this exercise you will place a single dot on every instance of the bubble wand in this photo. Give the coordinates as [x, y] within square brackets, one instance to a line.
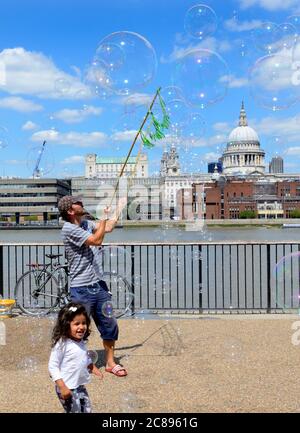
[147, 137]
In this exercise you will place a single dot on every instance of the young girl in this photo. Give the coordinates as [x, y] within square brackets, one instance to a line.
[69, 363]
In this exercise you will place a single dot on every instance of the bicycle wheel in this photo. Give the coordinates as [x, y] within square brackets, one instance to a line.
[37, 292]
[122, 295]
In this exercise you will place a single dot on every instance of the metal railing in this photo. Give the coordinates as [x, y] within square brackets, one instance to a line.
[187, 277]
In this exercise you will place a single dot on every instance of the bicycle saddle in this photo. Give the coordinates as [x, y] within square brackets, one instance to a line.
[53, 256]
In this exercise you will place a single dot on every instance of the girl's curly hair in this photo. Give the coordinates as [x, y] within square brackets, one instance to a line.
[65, 317]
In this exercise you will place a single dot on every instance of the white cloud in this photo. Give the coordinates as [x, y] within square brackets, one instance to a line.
[241, 26]
[75, 159]
[77, 115]
[286, 128]
[270, 5]
[293, 151]
[235, 82]
[291, 165]
[32, 73]
[124, 135]
[15, 162]
[75, 139]
[273, 74]
[209, 43]
[137, 99]
[19, 104]
[29, 125]
[222, 127]
[211, 156]
[289, 128]
[215, 140]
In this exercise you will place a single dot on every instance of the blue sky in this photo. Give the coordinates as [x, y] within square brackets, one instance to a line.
[46, 53]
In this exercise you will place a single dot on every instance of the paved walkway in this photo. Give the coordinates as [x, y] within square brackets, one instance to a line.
[202, 364]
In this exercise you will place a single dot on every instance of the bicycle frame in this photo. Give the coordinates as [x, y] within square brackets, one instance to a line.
[56, 268]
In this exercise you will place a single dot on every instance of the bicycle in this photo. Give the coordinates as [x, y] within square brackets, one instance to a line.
[45, 288]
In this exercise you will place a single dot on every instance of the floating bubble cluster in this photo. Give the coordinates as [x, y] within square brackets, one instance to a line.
[295, 21]
[191, 76]
[124, 62]
[271, 82]
[29, 365]
[295, 73]
[288, 36]
[126, 128]
[274, 79]
[171, 93]
[243, 48]
[177, 111]
[266, 37]
[95, 78]
[200, 21]
[193, 130]
[278, 145]
[62, 86]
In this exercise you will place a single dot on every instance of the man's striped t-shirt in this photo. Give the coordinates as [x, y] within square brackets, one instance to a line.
[85, 262]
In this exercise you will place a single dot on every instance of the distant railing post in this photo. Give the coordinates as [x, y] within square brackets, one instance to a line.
[1, 272]
[269, 279]
[200, 280]
[132, 281]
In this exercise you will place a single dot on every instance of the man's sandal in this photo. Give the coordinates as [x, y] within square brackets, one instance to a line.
[116, 370]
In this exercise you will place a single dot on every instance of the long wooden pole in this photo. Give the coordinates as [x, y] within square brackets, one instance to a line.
[133, 143]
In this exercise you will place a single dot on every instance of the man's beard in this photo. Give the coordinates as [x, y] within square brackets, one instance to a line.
[80, 213]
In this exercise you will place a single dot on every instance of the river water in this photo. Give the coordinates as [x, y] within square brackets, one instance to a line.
[162, 234]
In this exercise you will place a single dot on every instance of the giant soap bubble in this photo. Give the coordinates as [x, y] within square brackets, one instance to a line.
[203, 76]
[273, 83]
[296, 64]
[177, 111]
[266, 37]
[125, 129]
[124, 62]
[295, 21]
[285, 283]
[40, 161]
[170, 93]
[194, 129]
[200, 21]
[288, 36]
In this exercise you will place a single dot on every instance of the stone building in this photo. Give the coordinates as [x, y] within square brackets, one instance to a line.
[243, 154]
[102, 167]
[31, 199]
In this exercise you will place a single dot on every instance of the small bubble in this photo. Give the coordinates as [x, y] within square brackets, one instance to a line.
[93, 355]
[108, 309]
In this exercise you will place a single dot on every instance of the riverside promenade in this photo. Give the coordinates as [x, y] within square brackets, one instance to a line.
[176, 363]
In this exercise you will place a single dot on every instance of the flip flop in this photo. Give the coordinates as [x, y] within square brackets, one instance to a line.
[116, 370]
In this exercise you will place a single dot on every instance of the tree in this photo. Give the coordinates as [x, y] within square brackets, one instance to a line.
[245, 214]
[295, 213]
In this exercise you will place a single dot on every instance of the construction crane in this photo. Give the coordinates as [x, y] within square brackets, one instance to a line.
[37, 172]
